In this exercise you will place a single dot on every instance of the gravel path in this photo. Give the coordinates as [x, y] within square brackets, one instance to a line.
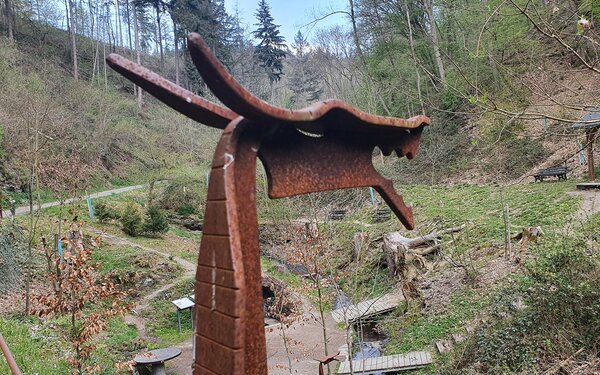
[22, 210]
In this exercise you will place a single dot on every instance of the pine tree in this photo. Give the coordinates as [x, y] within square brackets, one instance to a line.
[270, 51]
[159, 7]
[304, 79]
[211, 21]
[155, 222]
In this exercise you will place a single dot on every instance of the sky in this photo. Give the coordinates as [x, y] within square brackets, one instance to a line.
[292, 15]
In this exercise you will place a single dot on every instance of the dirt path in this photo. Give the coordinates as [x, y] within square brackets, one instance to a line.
[22, 210]
[135, 317]
[305, 343]
[304, 339]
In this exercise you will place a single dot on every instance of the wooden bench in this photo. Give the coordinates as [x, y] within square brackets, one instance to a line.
[337, 214]
[380, 216]
[560, 172]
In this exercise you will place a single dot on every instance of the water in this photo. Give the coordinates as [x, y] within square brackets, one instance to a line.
[369, 350]
[372, 342]
[342, 300]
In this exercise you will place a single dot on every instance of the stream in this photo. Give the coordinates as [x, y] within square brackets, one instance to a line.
[372, 341]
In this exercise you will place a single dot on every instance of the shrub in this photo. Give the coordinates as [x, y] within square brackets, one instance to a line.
[156, 222]
[545, 315]
[12, 256]
[565, 290]
[104, 213]
[182, 196]
[186, 210]
[132, 220]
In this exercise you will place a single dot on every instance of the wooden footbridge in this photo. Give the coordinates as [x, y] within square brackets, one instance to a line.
[388, 363]
[367, 308]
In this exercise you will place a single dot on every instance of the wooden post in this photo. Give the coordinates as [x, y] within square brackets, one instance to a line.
[590, 135]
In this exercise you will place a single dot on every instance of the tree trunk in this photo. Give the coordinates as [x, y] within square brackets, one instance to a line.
[434, 38]
[9, 19]
[176, 53]
[160, 42]
[414, 56]
[362, 59]
[128, 24]
[128, 15]
[118, 15]
[73, 40]
[137, 52]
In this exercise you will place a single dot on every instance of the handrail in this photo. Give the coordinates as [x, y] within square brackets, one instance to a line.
[12, 364]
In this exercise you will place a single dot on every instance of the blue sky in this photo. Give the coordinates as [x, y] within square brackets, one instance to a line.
[291, 14]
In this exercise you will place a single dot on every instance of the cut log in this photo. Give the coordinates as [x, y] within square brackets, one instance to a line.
[418, 241]
[406, 256]
[360, 241]
[528, 234]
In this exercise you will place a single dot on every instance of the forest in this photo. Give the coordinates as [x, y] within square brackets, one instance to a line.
[105, 192]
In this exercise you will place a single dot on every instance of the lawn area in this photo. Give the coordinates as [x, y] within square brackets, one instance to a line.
[36, 349]
[479, 208]
[176, 242]
[161, 315]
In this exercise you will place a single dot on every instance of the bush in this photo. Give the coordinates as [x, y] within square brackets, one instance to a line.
[156, 222]
[182, 196]
[565, 291]
[544, 316]
[12, 256]
[104, 213]
[186, 210]
[132, 220]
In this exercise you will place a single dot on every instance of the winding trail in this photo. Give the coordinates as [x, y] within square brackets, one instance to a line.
[135, 317]
[22, 210]
[304, 336]
[589, 205]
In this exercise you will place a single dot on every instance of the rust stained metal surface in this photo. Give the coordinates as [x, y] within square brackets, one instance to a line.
[325, 361]
[10, 360]
[229, 329]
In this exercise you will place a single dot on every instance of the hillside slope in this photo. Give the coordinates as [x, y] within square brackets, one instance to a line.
[81, 133]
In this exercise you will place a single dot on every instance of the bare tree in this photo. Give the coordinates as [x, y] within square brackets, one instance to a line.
[434, 38]
[9, 18]
[73, 31]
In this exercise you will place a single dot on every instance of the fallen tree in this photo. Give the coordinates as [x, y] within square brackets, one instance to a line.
[406, 256]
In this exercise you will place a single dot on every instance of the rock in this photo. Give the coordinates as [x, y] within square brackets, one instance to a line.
[148, 282]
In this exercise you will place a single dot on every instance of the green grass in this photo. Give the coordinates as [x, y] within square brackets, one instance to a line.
[36, 351]
[544, 204]
[270, 267]
[162, 315]
[119, 343]
[123, 260]
[185, 247]
[185, 233]
[416, 331]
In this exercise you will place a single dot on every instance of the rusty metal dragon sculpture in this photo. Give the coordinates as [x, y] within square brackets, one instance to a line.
[229, 333]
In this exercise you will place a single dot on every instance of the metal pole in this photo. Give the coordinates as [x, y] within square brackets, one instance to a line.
[179, 319]
[12, 364]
